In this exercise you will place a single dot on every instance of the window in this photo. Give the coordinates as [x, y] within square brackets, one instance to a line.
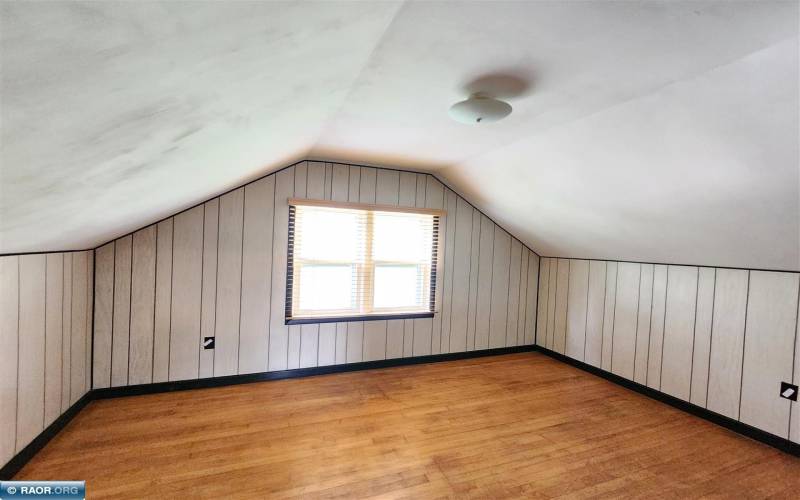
[354, 262]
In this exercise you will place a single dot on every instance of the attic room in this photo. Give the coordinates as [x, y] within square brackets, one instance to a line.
[399, 249]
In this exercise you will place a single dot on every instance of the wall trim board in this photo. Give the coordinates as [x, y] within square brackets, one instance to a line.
[676, 264]
[16, 464]
[778, 442]
[19, 460]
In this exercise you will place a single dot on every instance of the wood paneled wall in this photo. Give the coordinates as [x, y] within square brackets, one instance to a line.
[45, 342]
[723, 339]
[219, 270]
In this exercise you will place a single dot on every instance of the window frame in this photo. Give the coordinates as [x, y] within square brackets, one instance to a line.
[369, 265]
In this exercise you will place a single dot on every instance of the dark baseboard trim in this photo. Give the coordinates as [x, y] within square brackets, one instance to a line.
[20, 459]
[39, 442]
[778, 442]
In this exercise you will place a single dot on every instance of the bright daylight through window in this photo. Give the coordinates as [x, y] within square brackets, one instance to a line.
[360, 261]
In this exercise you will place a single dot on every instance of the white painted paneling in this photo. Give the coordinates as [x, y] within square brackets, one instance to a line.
[355, 330]
[394, 338]
[515, 265]
[340, 187]
[702, 336]
[727, 342]
[499, 302]
[341, 343]
[31, 354]
[625, 317]
[769, 350]
[594, 313]
[657, 326]
[120, 336]
[449, 251]
[88, 321]
[544, 295]
[309, 345]
[208, 298]
[551, 303]
[560, 311]
[229, 281]
[66, 338]
[434, 198]
[374, 340]
[525, 336]
[532, 284]
[103, 314]
[327, 344]
[78, 368]
[163, 301]
[53, 334]
[474, 271]
[578, 290]
[259, 206]
[295, 331]
[676, 373]
[643, 324]
[186, 292]
[9, 346]
[278, 332]
[143, 288]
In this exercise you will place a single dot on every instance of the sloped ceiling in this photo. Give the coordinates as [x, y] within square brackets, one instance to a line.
[650, 131]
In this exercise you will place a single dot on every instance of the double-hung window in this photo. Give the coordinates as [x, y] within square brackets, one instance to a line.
[351, 262]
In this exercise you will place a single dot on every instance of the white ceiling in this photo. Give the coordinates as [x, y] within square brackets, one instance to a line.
[650, 131]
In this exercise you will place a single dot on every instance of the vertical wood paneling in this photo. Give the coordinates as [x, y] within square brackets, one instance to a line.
[642, 349]
[422, 329]
[9, 346]
[103, 314]
[278, 332]
[657, 326]
[769, 350]
[208, 297]
[542, 308]
[340, 188]
[702, 336]
[578, 291]
[295, 331]
[394, 338]
[143, 288]
[474, 263]
[560, 312]
[163, 301]
[522, 310]
[552, 291]
[326, 337]
[80, 275]
[355, 331]
[625, 317]
[309, 334]
[512, 322]
[259, 206]
[449, 252]
[486, 250]
[434, 198]
[66, 339]
[229, 283]
[31, 353]
[679, 321]
[122, 311]
[499, 302]
[531, 298]
[53, 334]
[727, 342]
[88, 321]
[186, 291]
[595, 305]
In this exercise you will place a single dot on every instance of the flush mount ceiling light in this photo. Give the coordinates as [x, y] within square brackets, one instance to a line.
[479, 108]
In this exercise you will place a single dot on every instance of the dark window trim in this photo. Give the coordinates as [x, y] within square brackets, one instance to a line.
[348, 319]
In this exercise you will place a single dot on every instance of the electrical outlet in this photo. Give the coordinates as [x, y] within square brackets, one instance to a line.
[208, 342]
[788, 391]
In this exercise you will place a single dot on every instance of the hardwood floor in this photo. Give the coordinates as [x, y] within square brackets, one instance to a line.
[520, 425]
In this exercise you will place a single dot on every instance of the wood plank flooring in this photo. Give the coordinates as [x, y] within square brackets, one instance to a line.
[510, 426]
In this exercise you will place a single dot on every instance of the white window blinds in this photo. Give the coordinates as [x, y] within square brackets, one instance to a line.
[360, 261]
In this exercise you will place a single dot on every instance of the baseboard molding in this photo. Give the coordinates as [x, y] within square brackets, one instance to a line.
[778, 442]
[20, 459]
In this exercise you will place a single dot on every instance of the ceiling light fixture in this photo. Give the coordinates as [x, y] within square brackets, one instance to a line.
[479, 108]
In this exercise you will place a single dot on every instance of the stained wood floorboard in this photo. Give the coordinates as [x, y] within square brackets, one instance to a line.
[515, 426]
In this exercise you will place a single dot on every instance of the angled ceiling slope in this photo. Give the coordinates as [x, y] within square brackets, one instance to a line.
[649, 131]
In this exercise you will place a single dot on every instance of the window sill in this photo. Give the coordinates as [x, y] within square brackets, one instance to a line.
[346, 319]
